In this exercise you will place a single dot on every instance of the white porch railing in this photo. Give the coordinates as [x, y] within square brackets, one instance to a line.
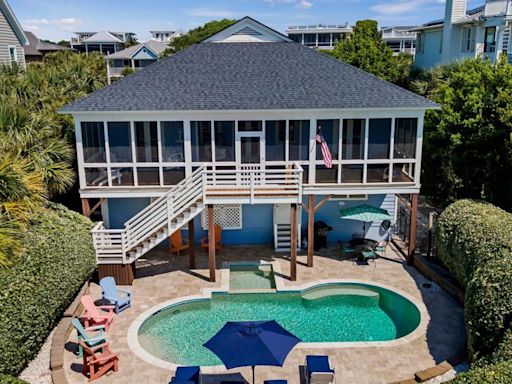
[171, 211]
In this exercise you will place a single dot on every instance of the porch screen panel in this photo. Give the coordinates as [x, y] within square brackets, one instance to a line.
[299, 139]
[353, 139]
[93, 142]
[119, 142]
[379, 140]
[224, 132]
[275, 140]
[201, 140]
[172, 142]
[405, 138]
[250, 126]
[330, 130]
[146, 141]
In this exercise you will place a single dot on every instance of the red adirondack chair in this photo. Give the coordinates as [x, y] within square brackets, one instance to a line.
[98, 360]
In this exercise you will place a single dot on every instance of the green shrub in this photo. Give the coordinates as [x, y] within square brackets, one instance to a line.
[489, 306]
[470, 235]
[500, 373]
[6, 379]
[475, 243]
[58, 258]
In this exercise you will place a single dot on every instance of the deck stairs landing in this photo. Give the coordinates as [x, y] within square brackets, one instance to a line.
[173, 210]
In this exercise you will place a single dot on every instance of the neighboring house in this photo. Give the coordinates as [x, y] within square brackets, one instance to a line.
[483, 31]
[225, 132]
[37, 49]
[104, 42]
[164, 36]
[400, 39]
[321, 36]
[135, 57]
[12, 38]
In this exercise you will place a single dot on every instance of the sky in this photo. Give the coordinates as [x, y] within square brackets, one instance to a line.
[58, 19]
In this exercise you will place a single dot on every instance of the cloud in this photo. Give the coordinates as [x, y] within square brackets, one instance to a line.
[64, 21]
[403, 6]
[209, 12]
[303, 4]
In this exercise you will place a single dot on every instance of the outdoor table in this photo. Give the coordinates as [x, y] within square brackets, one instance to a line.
[362, 245]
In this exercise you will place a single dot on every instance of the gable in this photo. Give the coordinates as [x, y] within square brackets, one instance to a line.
[247, 30]
[10, 20]
[144, 53]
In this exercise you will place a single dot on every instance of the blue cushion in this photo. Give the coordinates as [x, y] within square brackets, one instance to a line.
[275, 382]
[186, 374]
[318, 364]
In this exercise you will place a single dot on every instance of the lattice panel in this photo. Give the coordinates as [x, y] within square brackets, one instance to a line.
[228, 216]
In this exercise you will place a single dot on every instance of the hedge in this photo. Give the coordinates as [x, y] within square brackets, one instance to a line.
[475, 243]
[7, 379]
[58, 257]
[500, 373]
[472, 234]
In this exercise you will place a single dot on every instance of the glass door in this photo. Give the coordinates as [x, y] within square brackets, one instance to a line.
[250, 150]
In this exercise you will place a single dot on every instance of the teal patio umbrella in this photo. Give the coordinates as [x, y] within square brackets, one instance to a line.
[365, 213]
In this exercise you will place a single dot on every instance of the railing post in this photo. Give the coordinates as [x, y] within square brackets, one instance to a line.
[203, 182]
[170, 211]
[123, 248]
[252, 187]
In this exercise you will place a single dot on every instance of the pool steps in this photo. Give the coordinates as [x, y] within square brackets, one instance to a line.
[328, 291]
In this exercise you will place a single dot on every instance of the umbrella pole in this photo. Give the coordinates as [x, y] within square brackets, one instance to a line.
[253, 380]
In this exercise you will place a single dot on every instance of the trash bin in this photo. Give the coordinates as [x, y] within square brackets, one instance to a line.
[320, 232]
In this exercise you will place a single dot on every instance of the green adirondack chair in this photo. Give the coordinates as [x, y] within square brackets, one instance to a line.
[91, 340]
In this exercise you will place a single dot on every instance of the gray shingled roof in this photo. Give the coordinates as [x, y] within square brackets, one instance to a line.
[241, 76]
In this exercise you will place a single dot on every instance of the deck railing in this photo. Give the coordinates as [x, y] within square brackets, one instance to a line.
[206, 185]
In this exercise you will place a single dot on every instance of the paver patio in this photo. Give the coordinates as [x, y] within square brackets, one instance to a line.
[162, 277]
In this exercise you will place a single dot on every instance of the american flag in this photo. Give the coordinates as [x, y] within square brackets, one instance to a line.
[326, 154]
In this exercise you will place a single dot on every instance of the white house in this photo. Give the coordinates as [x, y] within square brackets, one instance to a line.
[225, 132]
[319, 36]
[104, 42]
[483, 31]
[12, 37]
[401, 39]
[164, 36]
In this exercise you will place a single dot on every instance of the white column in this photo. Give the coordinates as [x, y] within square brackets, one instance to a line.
[313, 125]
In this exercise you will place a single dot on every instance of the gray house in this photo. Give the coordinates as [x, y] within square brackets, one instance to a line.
[12, 38]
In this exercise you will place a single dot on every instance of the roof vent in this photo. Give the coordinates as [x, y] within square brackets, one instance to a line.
[248, 31]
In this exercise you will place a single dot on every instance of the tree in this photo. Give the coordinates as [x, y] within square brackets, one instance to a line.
[197, 35]
[468, 142]
[64, 43]
[131, 42]
[365, 49]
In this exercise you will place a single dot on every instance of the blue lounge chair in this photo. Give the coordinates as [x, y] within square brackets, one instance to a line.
[187, 375]
[120, 298]
[318, 370]
[275, 382]
[91, 340]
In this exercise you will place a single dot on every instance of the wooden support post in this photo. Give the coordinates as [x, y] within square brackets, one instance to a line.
[191, 247]
[86, 209]
[293, 243]
[311, 224]
[211, 243]
[412, 228]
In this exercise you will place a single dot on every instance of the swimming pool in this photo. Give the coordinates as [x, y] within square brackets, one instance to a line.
[249, 276]
[340, 312]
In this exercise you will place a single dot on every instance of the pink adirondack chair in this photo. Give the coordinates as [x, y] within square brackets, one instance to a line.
[96, 314]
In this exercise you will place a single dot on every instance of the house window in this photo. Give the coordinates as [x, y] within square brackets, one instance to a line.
[228, 216]
[148, 176]
[324, 39]
[201, 140]
[296, 38]
[330, 130]
[146, 141]
[420, 42]
[93, 142]
[468, 39]
[299, 139]
[352, 173]
[13, 56]
[172, 142]
[96, 177]
[250, 126]
[173, 175]
[403, 173]
[119, 141]
[377, 173]
[405, 138]
[326, 175]
[121, 176]
[224, 132]
[309, 39]
[353, 139]
[379, 138]
[490, 40]
[275, 139]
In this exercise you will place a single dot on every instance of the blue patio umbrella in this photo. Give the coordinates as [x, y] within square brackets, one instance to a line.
[251, 343]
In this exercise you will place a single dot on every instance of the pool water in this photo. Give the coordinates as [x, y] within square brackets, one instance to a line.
[332, 313]
[251, 276]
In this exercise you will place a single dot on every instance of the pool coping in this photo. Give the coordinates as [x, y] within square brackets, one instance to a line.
[133, 331]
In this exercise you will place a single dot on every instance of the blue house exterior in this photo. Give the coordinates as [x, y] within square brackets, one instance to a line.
[225, 132]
